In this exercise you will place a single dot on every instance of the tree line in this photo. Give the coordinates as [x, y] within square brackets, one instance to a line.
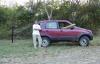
[86, 15]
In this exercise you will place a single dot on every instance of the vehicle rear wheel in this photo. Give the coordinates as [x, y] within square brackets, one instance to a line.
[45, 41]
[84, 41]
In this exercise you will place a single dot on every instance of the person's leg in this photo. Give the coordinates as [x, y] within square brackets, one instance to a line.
[39, 41]
[34, 41]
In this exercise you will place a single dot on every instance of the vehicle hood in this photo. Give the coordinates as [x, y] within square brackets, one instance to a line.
[79, 28]
[82, 29]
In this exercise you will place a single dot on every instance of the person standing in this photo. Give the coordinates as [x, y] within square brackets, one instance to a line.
[37, 40]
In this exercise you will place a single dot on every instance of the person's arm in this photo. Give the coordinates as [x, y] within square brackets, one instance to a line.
[33, 27]
[36, 27]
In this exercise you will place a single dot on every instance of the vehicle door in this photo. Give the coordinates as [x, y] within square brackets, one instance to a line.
[67, 33]
[52, 30]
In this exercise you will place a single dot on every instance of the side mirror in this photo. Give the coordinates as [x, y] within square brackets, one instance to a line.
[72, 28]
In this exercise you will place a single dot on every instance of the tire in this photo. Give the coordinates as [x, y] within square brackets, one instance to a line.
[84, 41]
[45, 41]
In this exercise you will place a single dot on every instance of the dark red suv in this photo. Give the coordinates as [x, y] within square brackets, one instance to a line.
[54, 30]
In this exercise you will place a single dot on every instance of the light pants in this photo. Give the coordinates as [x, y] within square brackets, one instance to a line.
[37, 41]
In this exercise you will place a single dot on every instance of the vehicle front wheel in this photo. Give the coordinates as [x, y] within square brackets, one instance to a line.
[84, 41]
[45, 41]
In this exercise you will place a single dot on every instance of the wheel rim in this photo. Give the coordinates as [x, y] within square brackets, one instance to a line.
[83, 42]
[45, 43]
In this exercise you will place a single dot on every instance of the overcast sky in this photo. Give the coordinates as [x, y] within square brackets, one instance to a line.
[19, 2]
[13, 2]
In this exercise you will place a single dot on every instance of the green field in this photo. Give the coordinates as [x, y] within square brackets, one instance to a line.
[20, 47]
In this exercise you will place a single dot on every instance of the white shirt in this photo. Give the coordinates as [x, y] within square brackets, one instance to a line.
[36, 28]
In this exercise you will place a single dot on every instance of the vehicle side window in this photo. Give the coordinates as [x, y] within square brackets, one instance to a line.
[63, 24]
[51, 25]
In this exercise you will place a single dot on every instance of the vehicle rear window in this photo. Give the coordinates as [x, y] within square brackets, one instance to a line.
[51, 25]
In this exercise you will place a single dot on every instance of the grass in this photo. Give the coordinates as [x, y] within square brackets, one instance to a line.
[22, 47]
[18, 47]
[96, 41]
